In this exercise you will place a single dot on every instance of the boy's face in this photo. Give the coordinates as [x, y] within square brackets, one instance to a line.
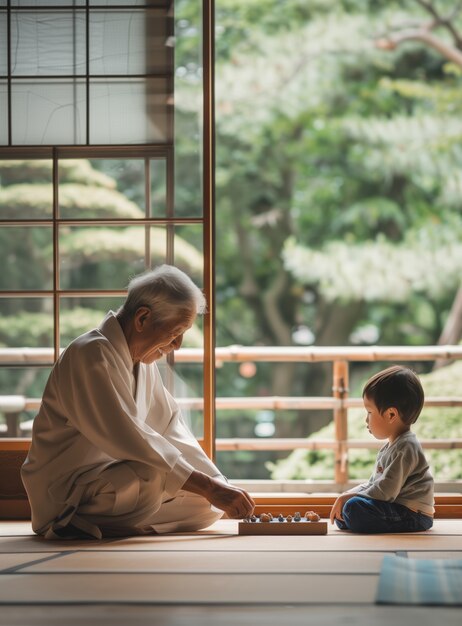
[376, 422]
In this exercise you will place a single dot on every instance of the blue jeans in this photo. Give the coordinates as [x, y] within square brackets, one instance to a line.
[365, 515]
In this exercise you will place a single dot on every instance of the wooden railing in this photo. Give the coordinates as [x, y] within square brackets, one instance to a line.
[339, 402]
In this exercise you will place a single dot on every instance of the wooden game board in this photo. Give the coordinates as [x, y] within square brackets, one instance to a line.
[275, 527]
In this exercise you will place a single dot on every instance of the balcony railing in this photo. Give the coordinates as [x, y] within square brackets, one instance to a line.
[340, 401]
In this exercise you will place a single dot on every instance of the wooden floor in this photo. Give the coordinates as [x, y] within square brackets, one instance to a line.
[213, 577]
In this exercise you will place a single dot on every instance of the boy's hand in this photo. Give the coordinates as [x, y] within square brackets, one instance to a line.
[337, 507]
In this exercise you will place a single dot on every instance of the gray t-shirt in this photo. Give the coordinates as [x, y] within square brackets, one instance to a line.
[401, 475]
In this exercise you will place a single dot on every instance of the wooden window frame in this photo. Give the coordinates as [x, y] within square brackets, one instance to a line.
[13, 451]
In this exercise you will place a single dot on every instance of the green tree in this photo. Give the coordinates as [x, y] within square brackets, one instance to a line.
[338, 179]
[446, 465]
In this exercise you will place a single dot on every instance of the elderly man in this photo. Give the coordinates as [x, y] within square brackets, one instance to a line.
[111, 454]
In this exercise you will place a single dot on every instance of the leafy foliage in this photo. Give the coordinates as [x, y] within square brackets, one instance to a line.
[41, 171]
[338, 183]
[432, 424]
[428, 261]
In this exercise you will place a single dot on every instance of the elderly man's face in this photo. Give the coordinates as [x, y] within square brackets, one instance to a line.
[154, 341]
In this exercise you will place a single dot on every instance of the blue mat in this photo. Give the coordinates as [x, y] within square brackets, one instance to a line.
[419, 581]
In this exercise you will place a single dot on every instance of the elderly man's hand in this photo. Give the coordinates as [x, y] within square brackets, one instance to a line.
[235, 502]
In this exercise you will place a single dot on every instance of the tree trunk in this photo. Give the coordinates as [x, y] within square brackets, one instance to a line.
[335, 324]
[452, 331]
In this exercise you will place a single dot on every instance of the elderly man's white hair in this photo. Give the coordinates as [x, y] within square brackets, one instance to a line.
[167, 291]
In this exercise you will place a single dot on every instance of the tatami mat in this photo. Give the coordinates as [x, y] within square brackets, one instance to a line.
[188, 589]
[232, 543]
[37, 544]
[227, 615]
[7, 561]
[211, 568]
[223, 537]
[332, 542]
[213, 562]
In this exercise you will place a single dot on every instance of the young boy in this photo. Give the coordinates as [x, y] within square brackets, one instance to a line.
[399, 495]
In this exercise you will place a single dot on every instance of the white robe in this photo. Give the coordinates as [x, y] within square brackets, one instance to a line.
[106, 448]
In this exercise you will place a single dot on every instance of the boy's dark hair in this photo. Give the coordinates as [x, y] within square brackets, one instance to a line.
[397, 387]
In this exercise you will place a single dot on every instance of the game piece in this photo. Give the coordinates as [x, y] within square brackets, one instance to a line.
[312, 516]
[253, 518]
[283, 526]
[297, 517]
